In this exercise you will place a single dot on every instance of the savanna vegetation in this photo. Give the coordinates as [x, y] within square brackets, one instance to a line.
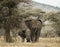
[12, 13]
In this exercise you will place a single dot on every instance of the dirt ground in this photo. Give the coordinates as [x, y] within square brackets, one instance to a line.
[43, 42]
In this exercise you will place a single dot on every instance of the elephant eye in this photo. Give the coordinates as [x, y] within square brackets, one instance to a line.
[40, 21]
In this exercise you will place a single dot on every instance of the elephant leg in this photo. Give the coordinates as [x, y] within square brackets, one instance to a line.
[28, 38]
[23, 39]
[28, 33]
[22, 35]
[33, 35]
[32, 38]
[36, 39]
[37, 35]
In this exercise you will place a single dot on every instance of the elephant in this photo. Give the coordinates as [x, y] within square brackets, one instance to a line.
[35, 25]
[24, 32]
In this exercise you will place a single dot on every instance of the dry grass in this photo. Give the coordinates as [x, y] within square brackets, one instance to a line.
[44, 42]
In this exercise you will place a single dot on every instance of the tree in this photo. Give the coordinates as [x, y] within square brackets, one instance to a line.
[57, 23]
[9, 19]
[27, 10]
[55, 17]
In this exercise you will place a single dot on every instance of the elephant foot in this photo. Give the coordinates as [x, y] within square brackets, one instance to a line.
[34, 41]
[28, 40]
[37, 40]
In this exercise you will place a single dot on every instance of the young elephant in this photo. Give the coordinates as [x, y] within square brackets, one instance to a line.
[35, 27]
[24, 33]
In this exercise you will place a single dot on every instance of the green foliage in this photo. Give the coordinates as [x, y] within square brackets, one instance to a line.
[9, 14]
[55, 17]
[26, 11]
[9, 17]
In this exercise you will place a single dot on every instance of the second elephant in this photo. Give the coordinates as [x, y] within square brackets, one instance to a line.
[24, 32]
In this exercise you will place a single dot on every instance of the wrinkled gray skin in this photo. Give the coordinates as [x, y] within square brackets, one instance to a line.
[35, 27]
[24, 32]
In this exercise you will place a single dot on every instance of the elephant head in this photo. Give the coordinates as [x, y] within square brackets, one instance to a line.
[33, 23]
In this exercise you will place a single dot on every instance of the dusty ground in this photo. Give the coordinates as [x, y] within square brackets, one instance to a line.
[44, 42]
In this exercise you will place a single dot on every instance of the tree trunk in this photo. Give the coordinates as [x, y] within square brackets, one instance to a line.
[7, 35]
[7, 31]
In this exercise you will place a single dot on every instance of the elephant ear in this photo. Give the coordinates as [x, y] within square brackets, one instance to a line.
[40, 20]
[28, 23]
